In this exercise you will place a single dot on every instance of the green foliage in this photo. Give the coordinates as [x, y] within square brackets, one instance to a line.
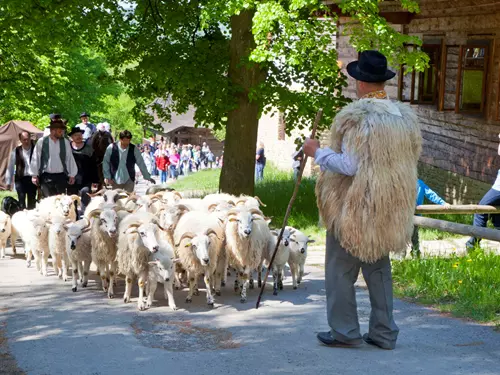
[466, 286]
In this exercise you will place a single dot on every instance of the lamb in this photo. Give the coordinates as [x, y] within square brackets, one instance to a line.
[32, 227]
[103, 234]
[60, 205]
[282, 256]
[161, 270]
[199, 242]
[247, 237]
[57, 246]
[298, 254]
[79, 251]
[5, 231]
[137, 240]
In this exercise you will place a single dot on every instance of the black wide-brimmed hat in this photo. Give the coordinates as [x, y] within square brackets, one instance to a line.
[58, 124]
[54, 116]
[84, 114]
[75, 129]
[371, 67]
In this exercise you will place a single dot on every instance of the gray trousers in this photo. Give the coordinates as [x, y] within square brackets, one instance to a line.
[128, 186]
[341, 272]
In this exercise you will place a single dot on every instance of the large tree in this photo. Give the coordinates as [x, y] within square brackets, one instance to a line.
[232, 60]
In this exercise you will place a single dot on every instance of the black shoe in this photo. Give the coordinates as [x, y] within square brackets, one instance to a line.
[471, 244]
[369, 341]
[327, 339]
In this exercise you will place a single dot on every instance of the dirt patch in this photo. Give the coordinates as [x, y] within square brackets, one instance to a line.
[181, 336]
[8, 364]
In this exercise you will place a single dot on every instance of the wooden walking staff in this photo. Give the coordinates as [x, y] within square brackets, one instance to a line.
[289, 208]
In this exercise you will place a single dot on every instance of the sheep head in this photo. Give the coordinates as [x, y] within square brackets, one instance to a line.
[170, 216]
[108, 220]
[146, 234]
[199, 244]
[4, 222]
[163, 264]
[64, 204]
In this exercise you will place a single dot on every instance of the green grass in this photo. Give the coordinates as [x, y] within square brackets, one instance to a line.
[465, 286]
[205, 180]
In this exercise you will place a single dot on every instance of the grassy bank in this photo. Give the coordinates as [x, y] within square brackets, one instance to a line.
[464, 286]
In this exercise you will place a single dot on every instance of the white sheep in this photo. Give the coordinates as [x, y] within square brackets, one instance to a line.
[137, 240]
[199, 242]
[249, 202]
[5, 231]
[298, 254]
[79, 250]
[107, 197]
[161, 270]
[57, 246]
[33, 228]
[170, 197]
[59, 205]
[247, 236]
[104, 236]
[280, 260]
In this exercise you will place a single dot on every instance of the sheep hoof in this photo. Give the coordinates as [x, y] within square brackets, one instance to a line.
[295, 287]
[228, 273]
[188, 300]
[126, 299]
[196, 293]
[218, 293]
[251, 284]
[210, 305]
[259, 284]
[236, 289]
[280, 286]
[176, 287]
[111, 295]
[174, 308]
[141, 307]
[222, 283]
[275, 292]
[84, 284]
[28, 264]
[98, 273]
[243, 299]
[73, 289]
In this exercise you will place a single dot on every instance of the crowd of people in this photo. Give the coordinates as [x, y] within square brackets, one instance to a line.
[87, 158]
[169, 161]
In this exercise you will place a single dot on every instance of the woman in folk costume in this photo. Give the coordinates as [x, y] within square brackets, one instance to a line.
[366, 197]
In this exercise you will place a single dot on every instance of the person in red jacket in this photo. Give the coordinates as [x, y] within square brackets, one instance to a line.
[162, 162]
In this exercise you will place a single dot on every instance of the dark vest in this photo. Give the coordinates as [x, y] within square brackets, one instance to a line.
[114, 160]
[20, 165]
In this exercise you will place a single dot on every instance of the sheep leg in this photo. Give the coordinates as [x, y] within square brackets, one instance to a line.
[168, 291]
[28, 253]
[64, 266]
[151, 289]
[192, 284]
[250, 280]
[275, 281]
[2, 250]
[218, 277]
[237, 282]
[58, 267]
[210, 298]
[280, 278]
[301, 273]
[225, 272]
[259, 275]
[74, 281]
[86, 269]
[13, 239]
[141, 281]
[102, 272]
[244, 285]
[293, 271]
[128, 288]
[45, 262]
[112, 279]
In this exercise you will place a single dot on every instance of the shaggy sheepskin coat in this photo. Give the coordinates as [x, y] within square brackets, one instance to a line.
[371, 213]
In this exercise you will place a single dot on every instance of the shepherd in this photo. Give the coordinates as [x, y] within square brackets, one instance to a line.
[366, 198]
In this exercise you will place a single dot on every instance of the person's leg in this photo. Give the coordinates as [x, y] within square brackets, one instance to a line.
[30, 190]
[21, 193]
[46, 186]
[415, 243]
[491, 198]
[84, 195]
[341, 272]
[60, 183]
[383, 330]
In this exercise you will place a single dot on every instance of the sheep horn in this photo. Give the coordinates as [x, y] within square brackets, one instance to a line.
[240, 201]
[120, 208]
[132, 197]
[255, 211]
[189, 235]
[95, 213]
[231, 203]
[177, 194]
[157, 195]
[87, 223]
[260, 202]
[133, 225]
[75, 197]
[212, 207]
[183, 207]
[100, 192]
[211, 231]
[154, 221]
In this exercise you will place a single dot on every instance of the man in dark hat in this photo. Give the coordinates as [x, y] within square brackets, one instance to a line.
[87, 177]
[366, 197]
[88, 128]
[18, 170]
[53, 166]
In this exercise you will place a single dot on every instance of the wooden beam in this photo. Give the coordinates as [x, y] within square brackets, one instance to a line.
[397, 18]
[456, 209]
[466, 230]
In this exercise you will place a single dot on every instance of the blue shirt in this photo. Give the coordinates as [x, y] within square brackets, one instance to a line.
[424, 191]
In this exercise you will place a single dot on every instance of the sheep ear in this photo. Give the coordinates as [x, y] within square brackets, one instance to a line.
[86, 230]
[153, 263]
[176, 260]
[310, 240]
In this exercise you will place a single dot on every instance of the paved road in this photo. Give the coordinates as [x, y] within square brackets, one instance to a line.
[51, 330]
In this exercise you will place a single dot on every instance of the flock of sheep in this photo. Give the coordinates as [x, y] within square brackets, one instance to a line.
[160, 237]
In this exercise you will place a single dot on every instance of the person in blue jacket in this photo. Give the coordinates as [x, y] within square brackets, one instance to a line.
[423, 191]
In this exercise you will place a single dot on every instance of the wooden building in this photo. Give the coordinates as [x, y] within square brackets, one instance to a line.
[457, 97]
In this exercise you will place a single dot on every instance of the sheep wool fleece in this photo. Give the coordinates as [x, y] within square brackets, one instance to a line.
[371, 213]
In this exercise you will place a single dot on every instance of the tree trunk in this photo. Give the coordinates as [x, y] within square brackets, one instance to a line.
[237, 176]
